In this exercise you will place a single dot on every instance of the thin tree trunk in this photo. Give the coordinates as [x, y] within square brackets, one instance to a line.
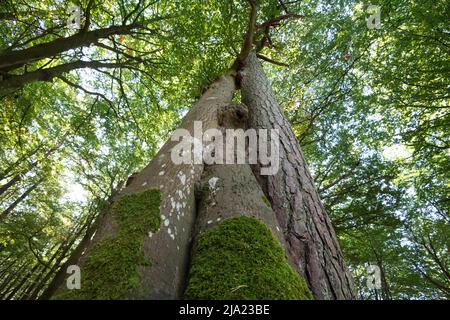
[15, 59]
[39, 282]
[310, 239]
[22, 270]
[90, 226]
[43, 275]
[24, 195]
[7, 263]
[33, 294]
[60, 254]
[60, 275]
[25, 279]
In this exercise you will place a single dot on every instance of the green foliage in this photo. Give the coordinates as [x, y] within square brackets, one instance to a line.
[111, 269]
[241, 259]
[370, 108]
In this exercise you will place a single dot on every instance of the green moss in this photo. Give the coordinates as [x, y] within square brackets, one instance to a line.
[241, 259]
[111, 269]
[266, 201]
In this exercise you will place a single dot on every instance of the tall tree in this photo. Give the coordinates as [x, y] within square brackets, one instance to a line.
[143, 243]
[84, 110]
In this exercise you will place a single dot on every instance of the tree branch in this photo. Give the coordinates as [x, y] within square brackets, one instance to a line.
[16, 59]
[98, 94]
[275, 22]
[281, 64]
[87, 23]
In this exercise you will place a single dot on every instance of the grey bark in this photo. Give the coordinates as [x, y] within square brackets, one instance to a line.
[169, 248]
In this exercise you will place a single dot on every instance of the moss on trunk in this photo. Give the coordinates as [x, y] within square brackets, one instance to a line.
[241, 259]
[111, 269]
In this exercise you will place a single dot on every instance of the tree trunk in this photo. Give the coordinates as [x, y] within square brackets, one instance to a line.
[311, 243]
[16, 59]
[18, 176]
[216, 218]
[11, 278]
[4, 214]
[166, 247]
[60, 273]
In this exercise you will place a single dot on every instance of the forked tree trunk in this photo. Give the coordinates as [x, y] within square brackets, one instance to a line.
[311, 243]
[217, 220]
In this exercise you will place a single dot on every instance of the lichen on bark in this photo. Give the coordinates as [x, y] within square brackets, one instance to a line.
[111, 269]
[241, 259]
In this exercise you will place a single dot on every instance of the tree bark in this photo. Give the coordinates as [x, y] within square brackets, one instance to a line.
[168, 249]
[311, 243]
[4, 214]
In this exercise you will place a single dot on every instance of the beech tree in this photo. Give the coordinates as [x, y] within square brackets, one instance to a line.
[142, 246]
[93, 115]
